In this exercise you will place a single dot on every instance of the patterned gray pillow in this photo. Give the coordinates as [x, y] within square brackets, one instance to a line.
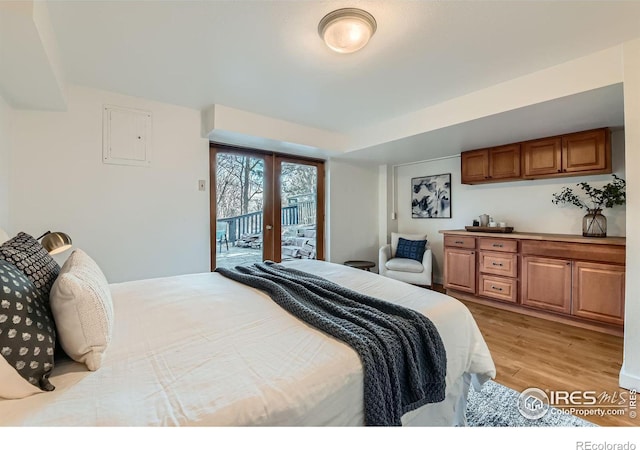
[27, 330]
[30, 257]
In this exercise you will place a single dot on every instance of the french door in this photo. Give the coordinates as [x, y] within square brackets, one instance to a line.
[264, 206]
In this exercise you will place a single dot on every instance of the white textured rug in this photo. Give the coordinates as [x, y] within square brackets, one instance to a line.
[497, 406]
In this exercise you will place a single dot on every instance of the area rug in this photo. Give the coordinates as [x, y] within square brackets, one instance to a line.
[497, 406]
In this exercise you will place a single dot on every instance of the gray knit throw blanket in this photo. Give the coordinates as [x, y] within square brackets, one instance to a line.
[403, 358]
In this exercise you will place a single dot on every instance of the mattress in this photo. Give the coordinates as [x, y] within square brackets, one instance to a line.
[203, 350]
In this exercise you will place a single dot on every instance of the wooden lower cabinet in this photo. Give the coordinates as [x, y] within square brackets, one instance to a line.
[598, 292]
[546, 283]
[566, 278]
[460, 269]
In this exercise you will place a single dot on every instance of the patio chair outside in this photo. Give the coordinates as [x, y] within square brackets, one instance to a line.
[222, 233]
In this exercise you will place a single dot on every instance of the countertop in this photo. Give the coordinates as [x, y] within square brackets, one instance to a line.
[609, 240]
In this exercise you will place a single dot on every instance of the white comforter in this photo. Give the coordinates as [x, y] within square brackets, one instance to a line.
[204, 350]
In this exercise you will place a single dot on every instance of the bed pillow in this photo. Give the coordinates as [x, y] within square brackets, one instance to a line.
[82, 308]
[411, 249]
[31, 258]
[27, 336]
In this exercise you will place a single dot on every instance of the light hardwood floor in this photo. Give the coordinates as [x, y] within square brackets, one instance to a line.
[532, 352]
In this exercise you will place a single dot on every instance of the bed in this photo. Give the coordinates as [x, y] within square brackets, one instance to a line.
[203, 350]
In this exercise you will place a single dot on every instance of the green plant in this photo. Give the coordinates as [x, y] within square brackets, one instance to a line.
[611, 194]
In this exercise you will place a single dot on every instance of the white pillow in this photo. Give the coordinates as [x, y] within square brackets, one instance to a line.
[82, 309]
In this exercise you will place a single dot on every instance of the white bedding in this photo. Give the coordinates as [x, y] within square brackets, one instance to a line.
[204, 350]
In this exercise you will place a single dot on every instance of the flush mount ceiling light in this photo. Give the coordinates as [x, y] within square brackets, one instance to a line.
[347, 30]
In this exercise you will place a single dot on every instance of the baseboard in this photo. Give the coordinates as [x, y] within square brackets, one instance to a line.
[517, 308]
[628, 380]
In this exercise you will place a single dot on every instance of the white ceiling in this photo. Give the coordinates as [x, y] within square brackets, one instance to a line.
[266, 57]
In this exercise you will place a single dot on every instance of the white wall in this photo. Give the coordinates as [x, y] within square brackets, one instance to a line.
[352, 211]
[525, 205]
[630, 373]
[600, 69]
[5, 151]
[135, 222]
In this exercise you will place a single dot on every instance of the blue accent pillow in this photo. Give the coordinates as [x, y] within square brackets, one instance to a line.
[411, 249]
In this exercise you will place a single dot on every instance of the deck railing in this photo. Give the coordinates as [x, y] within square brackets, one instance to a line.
[303, 213]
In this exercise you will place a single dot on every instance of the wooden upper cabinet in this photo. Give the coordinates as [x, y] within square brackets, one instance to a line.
[586, 152]
[583, 153]
[504, 162]
[491, 164]
[542, 157]
[475, 166]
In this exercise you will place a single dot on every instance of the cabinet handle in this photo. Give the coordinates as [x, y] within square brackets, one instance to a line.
[560, 170]
[459, 242]
[496, 288]
[497, 264]
[498, 245]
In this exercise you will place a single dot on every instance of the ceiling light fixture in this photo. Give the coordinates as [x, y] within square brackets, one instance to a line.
[347, 30]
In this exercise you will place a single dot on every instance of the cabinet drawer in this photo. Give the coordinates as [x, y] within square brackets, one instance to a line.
[505, 289]
[588, 252]
[496, 263]
[460, 241]
[498, 245]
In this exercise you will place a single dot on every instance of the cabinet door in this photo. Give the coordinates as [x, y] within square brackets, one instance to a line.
[460, 269]
[542, 157]
[598, 292]
[585, 151]
[546, 283]
[504, 162]
[474, 166]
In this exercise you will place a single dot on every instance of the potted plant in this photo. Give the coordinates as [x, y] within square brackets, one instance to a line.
[594, 223]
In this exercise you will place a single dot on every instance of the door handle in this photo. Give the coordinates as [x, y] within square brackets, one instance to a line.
[269, 227]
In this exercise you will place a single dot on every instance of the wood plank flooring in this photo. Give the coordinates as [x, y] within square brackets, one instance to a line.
[532, 352]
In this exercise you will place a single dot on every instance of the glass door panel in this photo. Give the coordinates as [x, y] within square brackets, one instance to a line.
[240, 205]
[298, 210]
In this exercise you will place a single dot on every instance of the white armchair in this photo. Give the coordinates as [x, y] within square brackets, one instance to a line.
[405, 269]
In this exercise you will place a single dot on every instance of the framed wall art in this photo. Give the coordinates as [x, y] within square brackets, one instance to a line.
[431, 197]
